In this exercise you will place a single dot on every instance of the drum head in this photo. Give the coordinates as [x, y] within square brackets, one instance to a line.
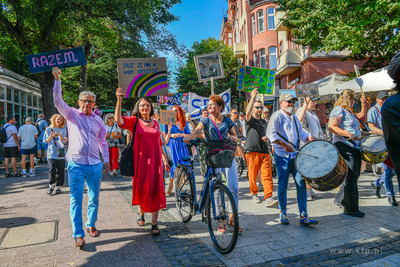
[374, 143]
[328, 157]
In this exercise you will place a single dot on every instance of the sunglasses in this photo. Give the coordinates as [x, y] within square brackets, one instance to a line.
[234, 112]
[212, 104]
[85, 101]
[291, 101]
[259, 108]
[111, 118]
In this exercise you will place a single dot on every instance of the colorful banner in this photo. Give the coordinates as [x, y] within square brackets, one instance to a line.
[140, 77]
[173, 99]
[61, 58]
[250, 78]
[197, 103]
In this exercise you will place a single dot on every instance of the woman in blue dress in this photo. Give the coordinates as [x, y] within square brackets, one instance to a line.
[174, 135]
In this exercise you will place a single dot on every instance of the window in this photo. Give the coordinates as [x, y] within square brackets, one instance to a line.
[17, 116]
[271, 22]
[16, 96]
[272, 57]
[263, 62]
[230, 42]
[40, 102]
[29, 98]
[9, 94]
[34, 101]
[2, 114]
[281, 48]
[2, 93]
[23, 98]
[255, 58]
[253, 19]
[260, 16]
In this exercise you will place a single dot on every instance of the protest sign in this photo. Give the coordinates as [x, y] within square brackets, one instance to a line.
[167, 116]
[140, 77]
[173, 99]
[250, 78]
[310, 89]
[61, 58]
[197, 103]
[209, 66]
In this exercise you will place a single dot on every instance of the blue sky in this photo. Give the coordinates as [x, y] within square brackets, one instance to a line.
[199, 19]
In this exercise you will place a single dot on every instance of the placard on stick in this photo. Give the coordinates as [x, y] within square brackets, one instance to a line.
[140, 77]
[167, 116]
[250, 78]
[310, 90]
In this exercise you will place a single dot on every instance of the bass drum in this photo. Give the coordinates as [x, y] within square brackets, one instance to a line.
[327, 171]
[373, 148]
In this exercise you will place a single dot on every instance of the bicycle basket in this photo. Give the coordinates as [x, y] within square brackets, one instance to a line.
[219, 154]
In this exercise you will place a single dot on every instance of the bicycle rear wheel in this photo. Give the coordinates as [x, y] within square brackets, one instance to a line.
[239, 165]
[184, 195]
[223, 224]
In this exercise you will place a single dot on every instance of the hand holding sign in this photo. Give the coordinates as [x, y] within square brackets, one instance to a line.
[56, 73]
[303, 90]
[120, 93]
[254, 93]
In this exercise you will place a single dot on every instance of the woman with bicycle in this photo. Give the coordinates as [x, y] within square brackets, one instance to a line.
[219, 127]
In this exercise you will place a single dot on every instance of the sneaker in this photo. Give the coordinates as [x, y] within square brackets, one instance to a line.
[357, 213]
[377, 189]
[271, 201]
[114, 173]
[309, 197]
[50, 191]
[306, 221]
[260, 188]
[40, 160]
[315, 195]
[337, 203]
[24, 174]
[283, 219]
[58, 191]
[392, 201]
[31, 174]
[256, 199]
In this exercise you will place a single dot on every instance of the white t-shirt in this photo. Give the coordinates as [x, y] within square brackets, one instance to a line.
[27, 133]
[113, 129]
[313, 123]
[9, 132]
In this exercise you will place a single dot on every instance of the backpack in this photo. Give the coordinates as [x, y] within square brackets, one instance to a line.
[37, 127]
[3, 135]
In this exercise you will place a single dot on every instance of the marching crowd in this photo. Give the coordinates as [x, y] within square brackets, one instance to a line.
[158, 149]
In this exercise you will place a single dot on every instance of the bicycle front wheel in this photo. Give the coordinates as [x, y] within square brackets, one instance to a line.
[223, 220]
[184, 195]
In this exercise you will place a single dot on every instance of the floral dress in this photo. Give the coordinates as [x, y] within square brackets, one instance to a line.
[349, 123]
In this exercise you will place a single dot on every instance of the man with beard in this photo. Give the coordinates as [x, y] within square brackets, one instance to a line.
[285, 133]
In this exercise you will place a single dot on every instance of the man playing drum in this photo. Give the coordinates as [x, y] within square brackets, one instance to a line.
[310, 123]
[285, 131]
[375, 124]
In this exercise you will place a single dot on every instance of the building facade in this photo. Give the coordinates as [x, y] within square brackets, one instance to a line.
[19, 97]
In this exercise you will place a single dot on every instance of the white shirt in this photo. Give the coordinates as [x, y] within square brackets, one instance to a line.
[27, 133]
[9, 132]
[281, 123]
[313, 123]
[243, 127]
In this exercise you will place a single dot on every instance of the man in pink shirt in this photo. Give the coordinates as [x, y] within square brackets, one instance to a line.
[87, 134]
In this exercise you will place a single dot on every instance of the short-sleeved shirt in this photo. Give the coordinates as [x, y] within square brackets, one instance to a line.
[374, 115]
[11, 129]
[211, 132]
[27, 133]
[349, 123]
[52, 146]
[243, 123]
[256, 129]
[113, 129]
[311, 124]
[238, 124]
[42, 124]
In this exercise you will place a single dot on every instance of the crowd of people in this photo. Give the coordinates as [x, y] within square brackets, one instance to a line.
[158, 149]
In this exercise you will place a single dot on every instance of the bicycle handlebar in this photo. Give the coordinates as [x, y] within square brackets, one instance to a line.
[198, 141]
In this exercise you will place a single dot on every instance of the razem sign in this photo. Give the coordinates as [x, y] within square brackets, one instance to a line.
[61, 58]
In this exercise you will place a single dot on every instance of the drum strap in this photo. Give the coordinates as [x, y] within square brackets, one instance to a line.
[378, 110]
[286, 140]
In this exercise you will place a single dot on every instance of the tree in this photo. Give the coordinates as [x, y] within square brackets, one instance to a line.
[186, 75]
[35, 26]
[368, 28]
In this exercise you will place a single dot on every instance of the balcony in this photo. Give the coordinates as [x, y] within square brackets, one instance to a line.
[278, 21]
[288, 62]
[239, 50]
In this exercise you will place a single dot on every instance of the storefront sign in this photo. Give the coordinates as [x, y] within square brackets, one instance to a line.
[293, 82]
[61, 58]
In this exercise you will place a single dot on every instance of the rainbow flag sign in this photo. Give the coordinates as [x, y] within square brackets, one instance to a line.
[250, 78]
[141, 77]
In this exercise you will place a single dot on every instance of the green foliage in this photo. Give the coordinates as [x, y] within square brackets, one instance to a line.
[187, 80]
[365, 27]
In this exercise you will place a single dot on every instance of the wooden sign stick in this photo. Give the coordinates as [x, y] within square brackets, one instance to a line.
[357, 72]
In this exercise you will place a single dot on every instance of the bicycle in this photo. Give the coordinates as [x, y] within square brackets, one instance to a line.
[240, 159]
[216, 203]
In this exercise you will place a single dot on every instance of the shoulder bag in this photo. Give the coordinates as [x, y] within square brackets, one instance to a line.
[126, 163]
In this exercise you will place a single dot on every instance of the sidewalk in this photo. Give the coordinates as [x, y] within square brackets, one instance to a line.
[121, 242]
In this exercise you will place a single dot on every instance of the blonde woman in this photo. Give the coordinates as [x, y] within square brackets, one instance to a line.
[346, 129]
[113, 135]
[55, 136]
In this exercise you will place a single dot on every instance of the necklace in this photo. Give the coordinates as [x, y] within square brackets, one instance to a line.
[148, 121]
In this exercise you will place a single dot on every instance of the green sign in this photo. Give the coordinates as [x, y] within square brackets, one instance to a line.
[250, 78]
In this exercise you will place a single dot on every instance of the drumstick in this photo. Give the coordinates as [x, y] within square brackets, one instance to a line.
[306, 154]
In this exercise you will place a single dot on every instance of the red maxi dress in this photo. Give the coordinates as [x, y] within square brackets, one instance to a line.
[148, 182]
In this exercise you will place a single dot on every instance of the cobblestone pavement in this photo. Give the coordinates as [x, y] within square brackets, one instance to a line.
[265, 242]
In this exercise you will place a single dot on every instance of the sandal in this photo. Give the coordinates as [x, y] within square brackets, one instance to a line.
[8, 175]
[154, 227]
[16, 175]
[140, 220]
[221, 227]
[169, 191]
[232, 225]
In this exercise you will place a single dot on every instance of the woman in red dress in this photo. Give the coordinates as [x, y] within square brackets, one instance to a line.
[148, 156]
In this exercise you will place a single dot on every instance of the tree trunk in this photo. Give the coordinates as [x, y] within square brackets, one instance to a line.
[83, 77]
[46, 81]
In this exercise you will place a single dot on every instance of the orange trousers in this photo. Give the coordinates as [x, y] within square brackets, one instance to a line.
[260, 162]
